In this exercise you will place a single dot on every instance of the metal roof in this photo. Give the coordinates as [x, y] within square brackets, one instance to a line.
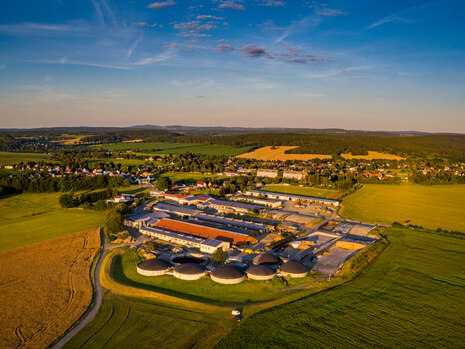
[231, 221]
[175, 209]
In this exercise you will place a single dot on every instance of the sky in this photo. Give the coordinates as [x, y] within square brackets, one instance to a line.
[353, 64]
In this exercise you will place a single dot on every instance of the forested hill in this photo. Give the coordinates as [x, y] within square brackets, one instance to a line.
[309, 141]
[424, 145]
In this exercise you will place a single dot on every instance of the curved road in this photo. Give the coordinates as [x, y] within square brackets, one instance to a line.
[97, 302]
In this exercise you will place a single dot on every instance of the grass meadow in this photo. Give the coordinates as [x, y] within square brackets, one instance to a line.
[126, 322]
[438, 206]
[123, 270]
[11, 158]
[45, 288]
[155, 148]
[411, 296]
[305, 191]
[30, 217]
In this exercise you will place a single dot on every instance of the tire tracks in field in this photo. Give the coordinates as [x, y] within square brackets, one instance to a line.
[119, 327]
[20, 335]
[100, 328]
[71, 294]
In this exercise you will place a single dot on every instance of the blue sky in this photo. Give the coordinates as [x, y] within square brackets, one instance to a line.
[375, 65]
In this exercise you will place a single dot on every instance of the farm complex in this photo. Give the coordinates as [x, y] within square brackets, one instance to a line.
[188, 230]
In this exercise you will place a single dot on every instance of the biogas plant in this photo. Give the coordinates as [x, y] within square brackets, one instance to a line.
[259, 237]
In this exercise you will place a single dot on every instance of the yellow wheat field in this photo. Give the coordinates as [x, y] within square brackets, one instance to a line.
[278, 154]
[45, 288]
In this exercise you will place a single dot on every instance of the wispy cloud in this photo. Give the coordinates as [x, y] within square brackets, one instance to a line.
[330, 12]
[271, 2]
[253, 51]
[133, 47]
[224, 48]
[64, 60]
[159, 58]
[195, 84]
[402, 16]
[269, 25]
[145, 25]
[232, 5]
[266, 85]
[3, 66]
[37, 29]
[162, 4]
[299, 26]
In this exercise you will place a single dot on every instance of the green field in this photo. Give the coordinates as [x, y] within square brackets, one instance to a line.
[412, 296]
[155, 148]
[124, 322]
[305, 191]
[7, 158]
[29, 218]
[203, 290]
[190, 177]
[435, 206]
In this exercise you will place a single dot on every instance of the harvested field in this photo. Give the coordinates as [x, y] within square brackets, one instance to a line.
[268, 154]
[45, 288]
[373, 155]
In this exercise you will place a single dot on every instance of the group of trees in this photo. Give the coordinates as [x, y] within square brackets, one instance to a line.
[48, 184]
[87, 199]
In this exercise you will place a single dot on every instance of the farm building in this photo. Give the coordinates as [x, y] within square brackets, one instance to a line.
[181, 211]
[187, 199]
[176, 238]
[233, 222]
[199, 230]
[290, 197]
[265, 259]
[294, 174]
[223, 206]
[294, 269]
[260, 272]
[211, 245]
[227, 275]
[264, 172]
[153, 267]
[189, 271]
[144, 219]
[273, 203]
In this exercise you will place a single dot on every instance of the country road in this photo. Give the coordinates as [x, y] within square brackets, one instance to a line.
[97, 301]
[98, 294]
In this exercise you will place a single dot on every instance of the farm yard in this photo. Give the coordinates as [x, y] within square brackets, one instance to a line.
[438, 206]
[305, 191]
[30, 217]
[408, 297]
[45, 288]
[161, 148]
[279, 153]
